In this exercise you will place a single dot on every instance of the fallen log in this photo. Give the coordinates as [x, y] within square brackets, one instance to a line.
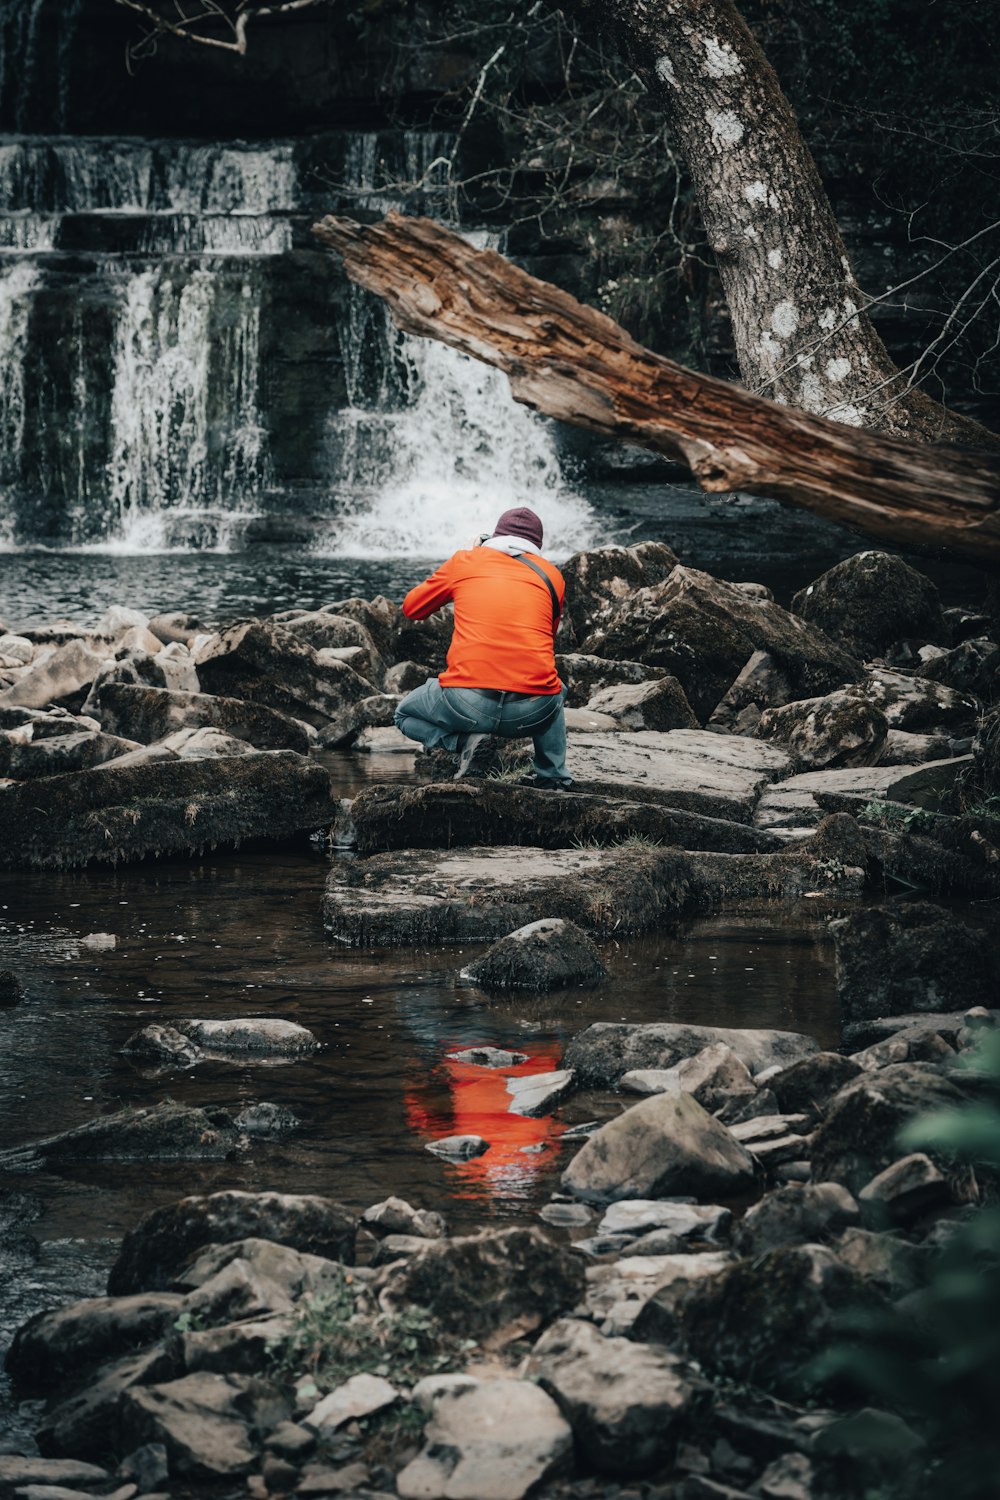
[569, 361]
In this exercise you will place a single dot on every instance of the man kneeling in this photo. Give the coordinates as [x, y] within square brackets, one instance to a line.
[501, 675]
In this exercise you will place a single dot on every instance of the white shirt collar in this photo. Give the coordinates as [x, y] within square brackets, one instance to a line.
[513, 544]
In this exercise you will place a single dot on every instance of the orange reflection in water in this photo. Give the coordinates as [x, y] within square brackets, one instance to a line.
[477, 1104]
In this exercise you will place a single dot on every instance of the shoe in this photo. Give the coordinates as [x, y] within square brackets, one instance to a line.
[469, 744]
[550, 784]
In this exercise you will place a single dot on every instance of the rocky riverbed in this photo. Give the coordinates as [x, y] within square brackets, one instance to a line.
[673, 1323]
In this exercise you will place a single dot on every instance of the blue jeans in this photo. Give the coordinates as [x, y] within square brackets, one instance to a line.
[440, 717]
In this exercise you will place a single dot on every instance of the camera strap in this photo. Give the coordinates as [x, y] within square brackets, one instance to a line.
[520, 557]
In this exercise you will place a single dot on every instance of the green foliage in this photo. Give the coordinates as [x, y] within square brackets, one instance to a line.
[338, 1333]
[896, 818]
[937, 1361]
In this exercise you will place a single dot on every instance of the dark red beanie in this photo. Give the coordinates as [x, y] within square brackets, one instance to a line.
[520, 522]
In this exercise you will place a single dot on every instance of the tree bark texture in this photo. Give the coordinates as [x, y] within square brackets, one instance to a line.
[799, 326]
[574, 363]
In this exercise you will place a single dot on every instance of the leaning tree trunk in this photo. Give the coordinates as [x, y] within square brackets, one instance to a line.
[799, 326]
[572, 362]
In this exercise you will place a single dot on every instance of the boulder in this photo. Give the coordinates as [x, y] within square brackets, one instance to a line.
[64, 675]
[159, 1132]
[478, 1284]
[918, 705]
[204, 1421]
[636, 1295]
[454, 814]
[684, 1221]
[763, 1320]
[355, 1399]
[375, 712]
[796, 1215]
[713, 1076]
[475, 895]
[489, 1057]
[395, 1216]
[12, 989]
[405, 676]
[57, 754]
[603, 1052]
[175, 626]
[55, 1346]
[17, 1470]
[153, 1252]
[646, 705]
[971, 669]
[911, 957]
[904, 749]
[628, 1403]
[267, 664]
[760, 684]
[242, 1348]
[583, 676]
[871, 600]
[806, 1086]
[665, 1145]
[124, 810]
[196, 744]
[604, 578]
[325, 630]
[162, 1045]
[257, 1034]
[16, 650]
[254, 1270]
[537, 1094]
[905, 1191]
[841, 729]
[703, 631]
[458, 1147]
[545, 955]
[890, 1264]
[495, 1441]
[857, 1137]
[146, 714]
[86, 1424]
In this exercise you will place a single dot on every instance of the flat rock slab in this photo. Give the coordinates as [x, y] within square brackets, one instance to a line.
[802, 801]
[716, 775]
[114, 813]
[479, 894]
[445, 815]
[605, 1051]
[539, 1093]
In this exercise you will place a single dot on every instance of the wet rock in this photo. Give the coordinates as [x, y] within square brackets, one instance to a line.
[946, 1024]
[795, 1215]
[904, 749]
[53, 1347]
[56, 755]
[201, 1420]
[16, 650]
[175, 625]
[118, 812]
[606, 577]
[263, 1034]
[857, 1138]
[63, 675]
[162, 1045]
[667, 1144]
[458, 1147]
[494, 812]
[395, 1216]
[760, 684]
[539, 1093]
[356, 1398]
[583, 676]
[325, 630]
[474, 895]
[497, 1279]
[566, 1215]
[266, 1121]
[763, 1320]
[799, 803]
[713, 1076]
[489, 1057]
[918, 705]
[603, 1052]
[192, 744]
[405, 676]
[495, 1441]
[685, 1221]
[375, 712]
[807, 1085]
[660, 704]
[11, 988]
[911, 957]
[703, 631]
[264, 663]
[545, 955]
[148, 714]
[152, 1253]
[86, 1424]
[160, 1132]
[267, 1269]
[905, 1191]
[871, 600]
[841, 729]
[971, 669]
[637, 1295]
[626, 1402]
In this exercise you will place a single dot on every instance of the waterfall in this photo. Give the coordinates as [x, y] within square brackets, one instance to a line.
[16, 286]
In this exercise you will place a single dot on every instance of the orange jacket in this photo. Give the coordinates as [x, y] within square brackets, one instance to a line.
[504, 630]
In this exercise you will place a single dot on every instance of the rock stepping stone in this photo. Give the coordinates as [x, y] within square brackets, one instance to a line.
[539, 1093]
[479, 894]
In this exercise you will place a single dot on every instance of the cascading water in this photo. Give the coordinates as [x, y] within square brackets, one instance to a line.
[182, 368]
